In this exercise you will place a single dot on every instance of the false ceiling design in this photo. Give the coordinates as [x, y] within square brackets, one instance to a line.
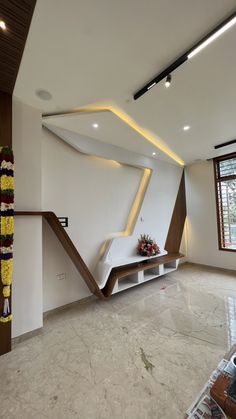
[101, 53]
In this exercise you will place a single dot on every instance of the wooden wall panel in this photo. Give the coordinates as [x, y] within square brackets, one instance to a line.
[5, 118]
[176, 228]
[17, 15]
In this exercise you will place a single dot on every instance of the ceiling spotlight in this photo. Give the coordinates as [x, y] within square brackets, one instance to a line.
[168, 81]
[154, 153]
[95, 125]
[186, 127]
[3, 25]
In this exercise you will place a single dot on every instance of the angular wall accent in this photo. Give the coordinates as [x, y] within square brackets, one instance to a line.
[176, 228]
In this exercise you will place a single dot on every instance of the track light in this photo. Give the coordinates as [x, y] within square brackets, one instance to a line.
[168, 81]
[204, 42]
[212, 36]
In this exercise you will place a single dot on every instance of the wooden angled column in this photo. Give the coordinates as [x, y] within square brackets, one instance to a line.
[176, 227]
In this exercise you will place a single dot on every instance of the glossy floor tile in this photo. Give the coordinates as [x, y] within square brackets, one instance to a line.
[145, 354]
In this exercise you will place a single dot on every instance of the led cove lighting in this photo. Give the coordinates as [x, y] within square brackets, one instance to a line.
[3, 25]
[95, 125]
[186, 127]
[212, 38]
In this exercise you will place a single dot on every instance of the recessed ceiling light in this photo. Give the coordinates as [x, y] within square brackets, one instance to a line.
[186, 127]
[154, 153]
[43, 94]
[95, 125]
[3, 25]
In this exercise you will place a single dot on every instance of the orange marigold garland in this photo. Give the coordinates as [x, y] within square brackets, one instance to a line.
[6, 228]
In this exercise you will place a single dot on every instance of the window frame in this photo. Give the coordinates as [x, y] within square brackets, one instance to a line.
[217, 178]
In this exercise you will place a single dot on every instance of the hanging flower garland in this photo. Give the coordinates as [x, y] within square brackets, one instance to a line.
[6, 228]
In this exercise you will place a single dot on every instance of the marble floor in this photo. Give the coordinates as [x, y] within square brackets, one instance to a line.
[145, 354]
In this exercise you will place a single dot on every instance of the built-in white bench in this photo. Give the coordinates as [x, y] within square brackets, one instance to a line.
[129, 271]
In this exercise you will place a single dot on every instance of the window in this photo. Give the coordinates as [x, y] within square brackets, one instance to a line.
[225, 178]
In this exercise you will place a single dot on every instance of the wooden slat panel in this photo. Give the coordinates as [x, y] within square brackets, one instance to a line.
[5, 119]
[176, 228]
[17, 15]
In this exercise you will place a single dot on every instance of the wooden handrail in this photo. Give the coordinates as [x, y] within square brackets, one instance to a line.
[69, 247]
[116, 273]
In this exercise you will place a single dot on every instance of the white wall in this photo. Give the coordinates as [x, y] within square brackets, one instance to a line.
[156, 212]
[27, 277]
[96, 194]
[201, 218]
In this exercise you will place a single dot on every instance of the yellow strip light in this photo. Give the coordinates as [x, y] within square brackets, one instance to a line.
[133, 214]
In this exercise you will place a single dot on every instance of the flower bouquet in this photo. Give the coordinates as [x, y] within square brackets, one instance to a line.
[147, 246]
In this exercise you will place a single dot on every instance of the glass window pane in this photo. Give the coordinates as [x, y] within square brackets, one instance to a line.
[227, 167]
[227, 202]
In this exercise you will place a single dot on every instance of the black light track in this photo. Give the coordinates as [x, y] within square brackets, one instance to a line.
[224, 144]
[181, 60]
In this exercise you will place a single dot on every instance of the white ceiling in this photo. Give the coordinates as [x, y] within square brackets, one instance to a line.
[86, 52]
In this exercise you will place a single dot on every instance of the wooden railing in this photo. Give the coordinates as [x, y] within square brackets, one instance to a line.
[81, 266]
[69, 247]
